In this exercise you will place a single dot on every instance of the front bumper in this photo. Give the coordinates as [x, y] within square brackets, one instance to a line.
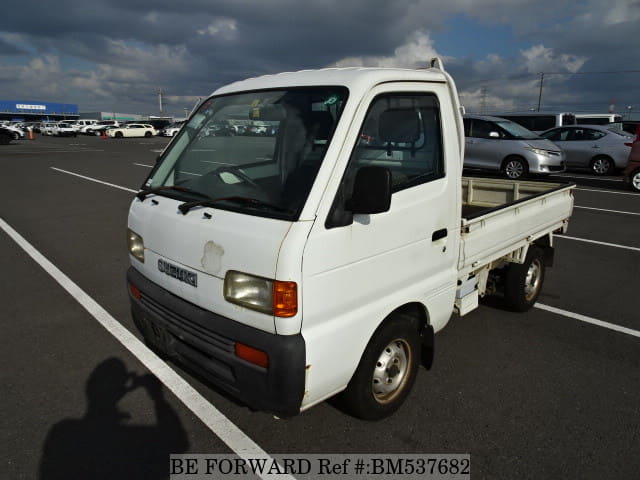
[205, 343]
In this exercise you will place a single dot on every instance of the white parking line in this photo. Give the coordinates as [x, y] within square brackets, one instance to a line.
[143, 165]
[597, 243]
[607, 191]
[605, 210]
[34, 152]
[94, 180]
[584, 318]
[217, 422]
[584, 177]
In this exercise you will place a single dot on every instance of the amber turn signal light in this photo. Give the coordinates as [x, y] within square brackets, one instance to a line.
[285, 299]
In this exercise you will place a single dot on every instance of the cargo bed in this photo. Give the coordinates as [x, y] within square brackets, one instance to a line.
[500, 216]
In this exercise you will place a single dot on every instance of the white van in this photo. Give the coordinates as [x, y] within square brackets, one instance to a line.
[540, 121]
[288, 269]
[597, 118]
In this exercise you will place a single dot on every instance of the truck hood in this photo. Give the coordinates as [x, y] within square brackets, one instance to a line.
[208, 247]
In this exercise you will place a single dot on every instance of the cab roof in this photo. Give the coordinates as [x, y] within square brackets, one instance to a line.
[355, 79]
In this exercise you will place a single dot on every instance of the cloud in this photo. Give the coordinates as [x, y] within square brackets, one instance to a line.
[415, 53]
[542, 59]
[119, 52]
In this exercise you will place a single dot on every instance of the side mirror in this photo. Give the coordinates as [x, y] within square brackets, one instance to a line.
[494, 135]
[371, 191]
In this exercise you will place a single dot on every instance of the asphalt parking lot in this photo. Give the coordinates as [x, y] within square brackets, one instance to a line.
[550, 393]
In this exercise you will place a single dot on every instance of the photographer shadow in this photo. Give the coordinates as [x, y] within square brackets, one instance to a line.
[102, 445]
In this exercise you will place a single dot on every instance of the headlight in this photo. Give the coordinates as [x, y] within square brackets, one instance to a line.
[539, 151]
[136, 245]
[264, 295]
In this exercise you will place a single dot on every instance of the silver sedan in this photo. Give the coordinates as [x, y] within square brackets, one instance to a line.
[602, 150]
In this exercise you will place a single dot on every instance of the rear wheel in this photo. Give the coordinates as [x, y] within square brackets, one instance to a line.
[601, 165]
[147, 134]
[387, 370]
[523, 282]
[515, 168]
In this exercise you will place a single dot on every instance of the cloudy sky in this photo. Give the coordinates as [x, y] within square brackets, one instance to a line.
[114, 55]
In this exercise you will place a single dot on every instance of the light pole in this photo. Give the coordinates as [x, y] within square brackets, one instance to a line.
[540, 94]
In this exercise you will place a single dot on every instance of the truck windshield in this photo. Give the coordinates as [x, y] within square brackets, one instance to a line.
[262, 147]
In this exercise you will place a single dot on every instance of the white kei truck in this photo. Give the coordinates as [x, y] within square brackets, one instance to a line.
[321, 259]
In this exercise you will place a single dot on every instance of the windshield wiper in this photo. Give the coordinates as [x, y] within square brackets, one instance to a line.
[145, 193]
[210, 202]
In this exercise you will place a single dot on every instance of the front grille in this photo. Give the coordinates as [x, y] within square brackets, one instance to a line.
[185, 324]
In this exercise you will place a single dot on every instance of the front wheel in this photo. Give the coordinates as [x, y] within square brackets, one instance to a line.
[635, 181]
[387, 370]
[515, 168]
[601, 165]
[523, 282]
[119, 134]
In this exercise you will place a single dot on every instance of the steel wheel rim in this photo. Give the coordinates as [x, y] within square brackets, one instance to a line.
[533, 280]
[391, 371]
[514, 169]
[635, 180]
[601, 166]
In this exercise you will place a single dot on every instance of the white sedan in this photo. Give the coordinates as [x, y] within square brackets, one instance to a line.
[132, 130]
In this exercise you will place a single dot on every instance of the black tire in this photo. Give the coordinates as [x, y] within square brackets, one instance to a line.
[376, 389]
[15, 135]
[601, 165]
[515, 168]
[523, 282]
[635, 181]
[119, 135]
[147, 134]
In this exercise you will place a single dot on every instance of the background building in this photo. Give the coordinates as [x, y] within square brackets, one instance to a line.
[32, 111]
[121, 117]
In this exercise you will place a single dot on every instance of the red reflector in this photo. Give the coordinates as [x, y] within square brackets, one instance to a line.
[252, 355]
[135, 291]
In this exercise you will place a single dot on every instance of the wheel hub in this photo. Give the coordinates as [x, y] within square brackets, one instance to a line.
[514, 169]
[391, 371]
[533, 279]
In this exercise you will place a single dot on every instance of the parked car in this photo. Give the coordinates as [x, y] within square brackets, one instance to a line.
[632, 172]
[46, 128]
[100, 126]
[132, 130]
[158, 124]
[5, 135]
[85, 125]
[16, 133]
[602, 150]
[171, 130]
[498, 144]
[64, 130]
[98, 130]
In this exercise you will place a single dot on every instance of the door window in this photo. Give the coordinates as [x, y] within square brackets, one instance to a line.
[401, 133]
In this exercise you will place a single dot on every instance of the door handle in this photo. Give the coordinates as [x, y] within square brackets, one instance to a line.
[438, 234]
